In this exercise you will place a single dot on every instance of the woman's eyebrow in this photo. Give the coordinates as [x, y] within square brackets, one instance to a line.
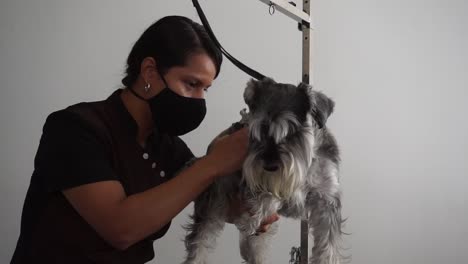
[199, 80]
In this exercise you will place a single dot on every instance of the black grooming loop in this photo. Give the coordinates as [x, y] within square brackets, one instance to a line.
[239, 64]
[236, 62]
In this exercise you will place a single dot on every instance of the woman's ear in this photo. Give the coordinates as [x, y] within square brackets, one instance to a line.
[148, 70]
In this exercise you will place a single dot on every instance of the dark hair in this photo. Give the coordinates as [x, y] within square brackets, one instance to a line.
[170, 41]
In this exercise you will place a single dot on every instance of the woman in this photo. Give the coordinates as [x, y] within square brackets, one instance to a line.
[104, 184]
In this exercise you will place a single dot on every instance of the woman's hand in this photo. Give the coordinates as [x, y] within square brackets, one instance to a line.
[228, 153]
[266, 223]
[237, 208]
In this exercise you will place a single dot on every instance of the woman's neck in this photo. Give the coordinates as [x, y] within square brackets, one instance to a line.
[140, 112]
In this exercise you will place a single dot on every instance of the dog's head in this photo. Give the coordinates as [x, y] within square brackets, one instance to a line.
[283, 121]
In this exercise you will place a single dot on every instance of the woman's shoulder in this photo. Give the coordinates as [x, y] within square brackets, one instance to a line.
[86, 110]
[83, 116]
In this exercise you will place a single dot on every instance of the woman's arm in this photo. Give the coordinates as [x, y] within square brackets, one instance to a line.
[123, 221]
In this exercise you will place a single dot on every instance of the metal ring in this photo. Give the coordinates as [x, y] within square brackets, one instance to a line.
[272, 8]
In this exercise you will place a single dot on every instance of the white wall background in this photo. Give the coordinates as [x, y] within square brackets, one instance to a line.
[397, 70]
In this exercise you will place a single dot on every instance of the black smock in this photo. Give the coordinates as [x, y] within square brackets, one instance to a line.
[85, 143]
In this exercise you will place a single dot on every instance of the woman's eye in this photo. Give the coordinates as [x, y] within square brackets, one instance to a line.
[195, 85]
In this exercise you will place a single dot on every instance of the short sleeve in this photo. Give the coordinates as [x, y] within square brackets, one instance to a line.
[71, 153]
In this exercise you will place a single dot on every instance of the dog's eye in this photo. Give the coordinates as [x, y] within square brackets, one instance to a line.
[292, 132]
[254, 135]
[253, 141]
[265, 130]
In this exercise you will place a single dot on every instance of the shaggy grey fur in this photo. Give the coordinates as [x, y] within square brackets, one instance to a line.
[291, 168]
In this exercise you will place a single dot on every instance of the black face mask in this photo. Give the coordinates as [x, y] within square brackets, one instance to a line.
[175, 114]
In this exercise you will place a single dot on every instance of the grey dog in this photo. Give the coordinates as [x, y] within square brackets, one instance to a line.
[291, 169]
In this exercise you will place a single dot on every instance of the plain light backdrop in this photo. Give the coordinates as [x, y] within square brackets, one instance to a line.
[397, 70]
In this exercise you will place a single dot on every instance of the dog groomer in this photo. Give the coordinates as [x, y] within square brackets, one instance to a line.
[106, 182]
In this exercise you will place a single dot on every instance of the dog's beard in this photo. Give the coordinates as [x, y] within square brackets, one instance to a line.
[283, 183]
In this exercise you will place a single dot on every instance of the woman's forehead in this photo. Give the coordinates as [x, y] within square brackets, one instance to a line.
[200, 66]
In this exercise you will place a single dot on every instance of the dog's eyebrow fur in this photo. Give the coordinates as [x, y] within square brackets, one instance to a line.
[283, 125]
[254, 128]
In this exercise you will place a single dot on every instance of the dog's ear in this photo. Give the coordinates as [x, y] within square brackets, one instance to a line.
[252, 89]
[249, 92]
[321, 106]
[268, 81]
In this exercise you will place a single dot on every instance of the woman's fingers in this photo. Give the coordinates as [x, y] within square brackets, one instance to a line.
[270, 219]
[267, 223]
[264, 228]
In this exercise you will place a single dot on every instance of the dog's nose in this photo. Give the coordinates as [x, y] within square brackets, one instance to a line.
[270, 167]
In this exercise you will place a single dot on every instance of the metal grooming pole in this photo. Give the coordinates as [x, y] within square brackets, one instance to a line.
[303, 17]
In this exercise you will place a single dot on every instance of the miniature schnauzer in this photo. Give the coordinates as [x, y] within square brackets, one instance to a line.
[291, 169]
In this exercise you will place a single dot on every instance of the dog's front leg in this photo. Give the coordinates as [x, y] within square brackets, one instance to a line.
[325, 221]
[208, 221]
[259, 207]
[254, 248]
